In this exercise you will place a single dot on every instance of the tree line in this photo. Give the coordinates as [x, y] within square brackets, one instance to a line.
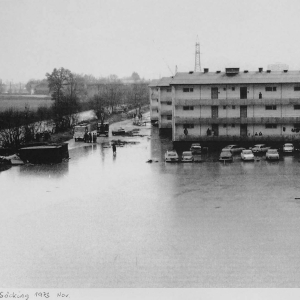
[72, 93]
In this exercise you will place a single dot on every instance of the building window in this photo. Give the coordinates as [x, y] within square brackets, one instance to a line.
[169, 117]
[188, 90]
[271, 107]
[169, 90]
[224, 106]
[233, 106]
[157, 110]
[271, 88]
[296, 88]
[169, 102]
[232, 125]
[224, 125]
[187, 107]
[157, 100]
[270, 126]
[188, 126]
[297, 106]
[233, 88]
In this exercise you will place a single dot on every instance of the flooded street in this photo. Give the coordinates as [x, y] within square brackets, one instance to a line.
[104, 221]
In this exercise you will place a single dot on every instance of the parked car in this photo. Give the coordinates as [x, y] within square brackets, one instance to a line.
[272, 154]
[226, 155]
[260, 148]
[187, 156]
[119, 131]
[171, 156]
[196, 148]
[247, 155]
[288, 148]
[233, 148]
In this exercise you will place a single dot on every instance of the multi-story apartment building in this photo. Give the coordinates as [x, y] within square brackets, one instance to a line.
[154, 107]
[235, 105]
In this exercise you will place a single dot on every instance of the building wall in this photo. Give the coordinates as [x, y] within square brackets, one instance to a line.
[154, 105]
[280, 103]
[165, 107]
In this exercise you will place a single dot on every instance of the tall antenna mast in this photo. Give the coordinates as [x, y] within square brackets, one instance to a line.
[197, 56]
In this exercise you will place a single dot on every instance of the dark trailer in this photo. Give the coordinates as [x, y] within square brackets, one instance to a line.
[102, 129]
[44, 154]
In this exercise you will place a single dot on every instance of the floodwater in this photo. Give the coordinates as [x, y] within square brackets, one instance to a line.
[104, 221]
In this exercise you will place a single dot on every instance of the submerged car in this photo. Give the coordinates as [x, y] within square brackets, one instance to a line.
[187, 156]
[259, 148]
[272, 154]
[247, 155]
[171, 156]
[119, 131]
[195, 148]
[226, 155]
[288, 148]
[233, 148]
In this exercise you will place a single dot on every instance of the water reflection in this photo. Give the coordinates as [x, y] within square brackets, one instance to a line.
[54, 170]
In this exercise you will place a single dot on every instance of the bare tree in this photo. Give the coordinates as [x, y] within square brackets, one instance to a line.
[99, 104]
[65, 90]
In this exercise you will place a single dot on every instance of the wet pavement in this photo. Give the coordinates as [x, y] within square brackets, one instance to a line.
[116, 221]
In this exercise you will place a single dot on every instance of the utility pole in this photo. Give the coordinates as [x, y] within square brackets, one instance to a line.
[197, 57]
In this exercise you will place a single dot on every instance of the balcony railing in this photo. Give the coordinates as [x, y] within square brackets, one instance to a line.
[237, 138]
[237, 102]
[165, 99]
[258, 120]
[166, 125]
[166, 112]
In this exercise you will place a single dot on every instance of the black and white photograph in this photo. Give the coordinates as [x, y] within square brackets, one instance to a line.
[149, 149]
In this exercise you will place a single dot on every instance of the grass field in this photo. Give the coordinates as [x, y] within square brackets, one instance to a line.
[19, 102]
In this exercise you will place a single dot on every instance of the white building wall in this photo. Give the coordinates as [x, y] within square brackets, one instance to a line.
[204, 110]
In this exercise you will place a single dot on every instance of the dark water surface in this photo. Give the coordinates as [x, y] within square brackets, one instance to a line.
[104, 221]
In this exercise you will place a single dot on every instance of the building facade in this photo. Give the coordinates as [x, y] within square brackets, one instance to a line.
[165, 110]
[153, 95]
[235, 105]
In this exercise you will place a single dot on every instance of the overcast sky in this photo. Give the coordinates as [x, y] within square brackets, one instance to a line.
[151, 37]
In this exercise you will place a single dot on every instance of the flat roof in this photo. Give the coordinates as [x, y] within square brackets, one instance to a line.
[42, 147]
[242, 77]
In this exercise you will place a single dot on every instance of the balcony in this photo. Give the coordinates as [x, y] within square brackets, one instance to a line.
[237, 102]
[166, 125]
[255, 121]
[237, 138]
[166, 112]
[165, 99]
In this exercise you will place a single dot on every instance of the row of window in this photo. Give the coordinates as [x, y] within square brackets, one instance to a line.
[267, 89]
[267, 126]
[267, 107]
